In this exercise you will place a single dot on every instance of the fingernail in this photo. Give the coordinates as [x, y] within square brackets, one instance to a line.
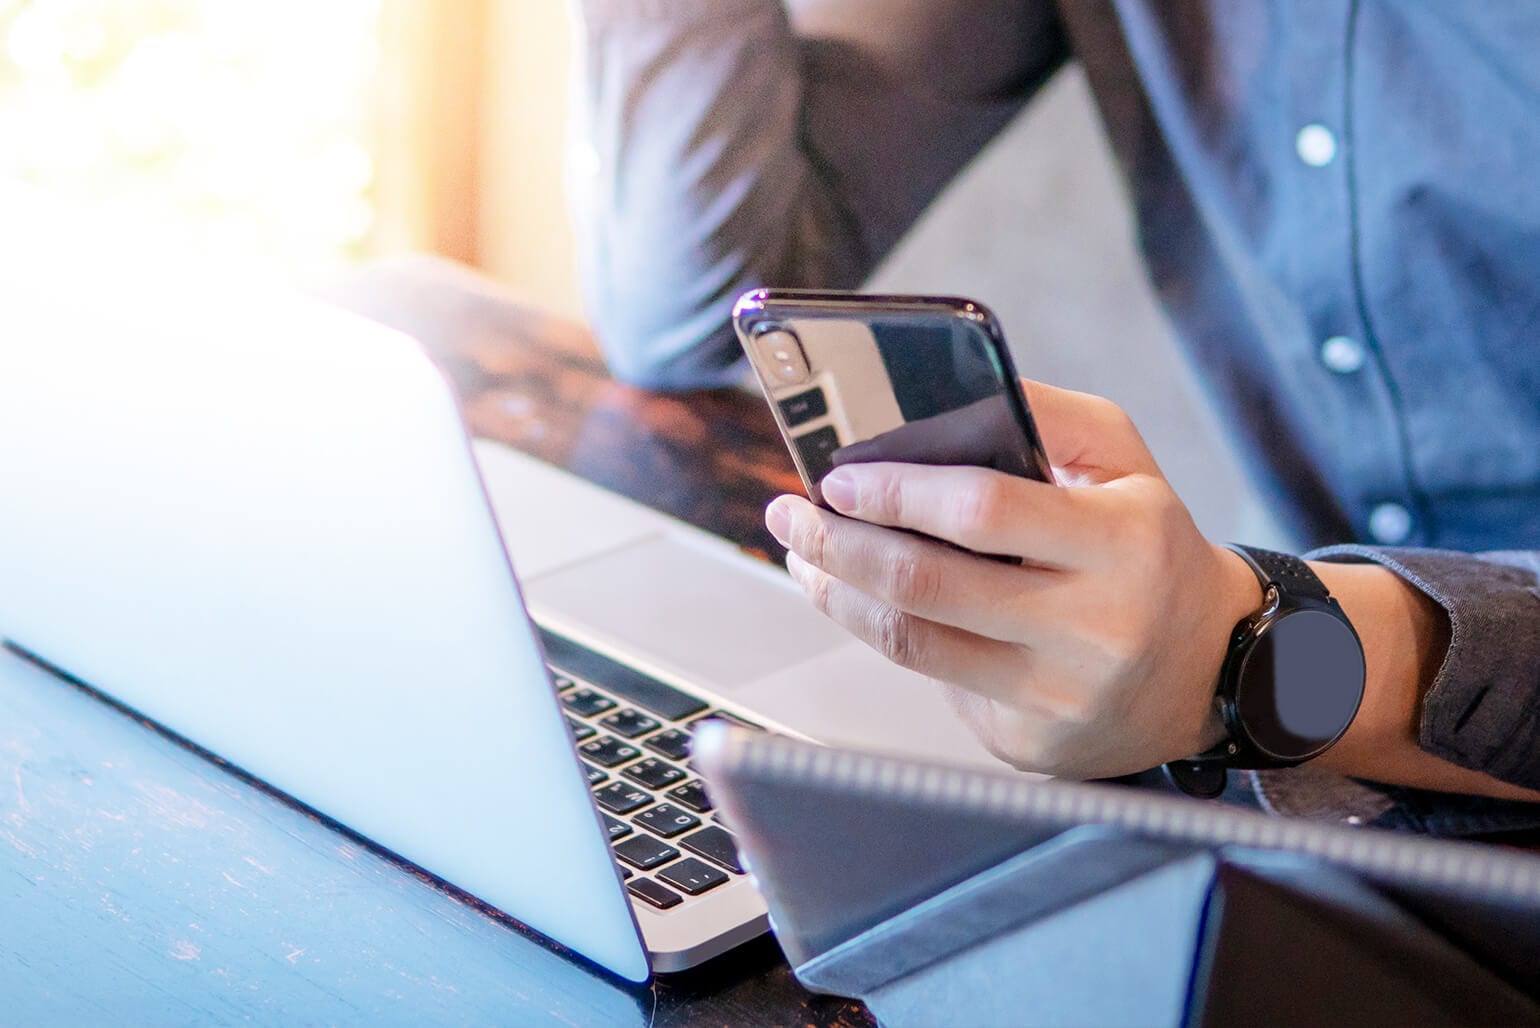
[778, 520]
[839, 491]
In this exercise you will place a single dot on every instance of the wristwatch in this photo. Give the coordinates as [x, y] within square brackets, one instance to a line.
[1292, 679]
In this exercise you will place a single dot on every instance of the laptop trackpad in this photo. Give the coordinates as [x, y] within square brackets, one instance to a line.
[705, 616]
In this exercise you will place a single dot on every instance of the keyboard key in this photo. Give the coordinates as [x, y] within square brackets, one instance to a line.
[621, 798]
[644, 852]
[673, 744]
[625, 872]
[693, 876]
[563, 683]
[648, 693]
[617, 828]
[595, 776]
[580, 731]
[587, 702]
[692, 795]
[715, 845]
[654, 773]
[649, 891]
[629, 723]
[607, 752]
[666, 820]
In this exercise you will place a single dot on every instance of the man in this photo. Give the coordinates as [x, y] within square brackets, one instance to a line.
[1338, 206]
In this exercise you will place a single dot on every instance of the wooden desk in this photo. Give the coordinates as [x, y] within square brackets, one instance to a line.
[141, 883]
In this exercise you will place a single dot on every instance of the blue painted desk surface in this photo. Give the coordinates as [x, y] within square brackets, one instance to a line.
[142, 883]
[139, 883]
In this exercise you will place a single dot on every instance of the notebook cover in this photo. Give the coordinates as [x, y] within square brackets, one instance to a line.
[843, 842]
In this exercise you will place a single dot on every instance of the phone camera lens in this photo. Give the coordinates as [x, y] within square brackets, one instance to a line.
[781, 354]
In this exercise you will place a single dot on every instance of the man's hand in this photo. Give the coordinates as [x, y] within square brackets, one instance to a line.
[1097, 656]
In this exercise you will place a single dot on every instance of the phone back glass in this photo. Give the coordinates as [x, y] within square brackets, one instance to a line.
[921, 381]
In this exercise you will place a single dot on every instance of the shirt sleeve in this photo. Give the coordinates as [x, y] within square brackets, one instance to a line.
[719, 145]
[1483, 709]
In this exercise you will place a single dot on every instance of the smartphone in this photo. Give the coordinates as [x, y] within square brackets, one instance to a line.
[855, 378]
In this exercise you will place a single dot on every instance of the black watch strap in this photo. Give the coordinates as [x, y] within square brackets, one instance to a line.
[1283, 570]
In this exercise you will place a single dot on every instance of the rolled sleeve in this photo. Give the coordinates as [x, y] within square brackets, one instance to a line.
[1483, 709]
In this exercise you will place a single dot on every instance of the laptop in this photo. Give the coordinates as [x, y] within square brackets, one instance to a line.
[257, 521]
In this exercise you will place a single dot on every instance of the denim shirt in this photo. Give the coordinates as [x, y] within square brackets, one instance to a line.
[1338, 202]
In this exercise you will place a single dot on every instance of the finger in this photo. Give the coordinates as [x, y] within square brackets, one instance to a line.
[981, 510]
[980, 665]
[999, 674]
[919, 576]
[1006, 732]
[1083, 431]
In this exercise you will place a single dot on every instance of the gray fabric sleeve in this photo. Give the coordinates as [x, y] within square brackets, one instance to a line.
[1483, 709]
[720, 145]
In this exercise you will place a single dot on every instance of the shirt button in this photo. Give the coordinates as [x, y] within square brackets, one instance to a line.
[1315, 145]
[1342, 355]
[1390, 523]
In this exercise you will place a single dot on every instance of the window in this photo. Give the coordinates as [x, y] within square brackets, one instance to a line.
[238, 130]
[299, 135]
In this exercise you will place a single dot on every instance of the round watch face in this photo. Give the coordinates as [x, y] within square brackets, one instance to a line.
[1300, 683]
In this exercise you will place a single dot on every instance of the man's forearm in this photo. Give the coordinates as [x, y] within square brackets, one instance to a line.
[1405, 636]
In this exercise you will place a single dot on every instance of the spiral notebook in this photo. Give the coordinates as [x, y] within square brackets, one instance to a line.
[941, 895]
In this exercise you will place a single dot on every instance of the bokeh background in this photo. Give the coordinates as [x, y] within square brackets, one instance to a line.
[304, 136]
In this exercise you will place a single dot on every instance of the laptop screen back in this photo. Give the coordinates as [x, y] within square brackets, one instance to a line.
[256, 520]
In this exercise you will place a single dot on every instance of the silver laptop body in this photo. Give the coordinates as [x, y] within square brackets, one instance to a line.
[257, 520]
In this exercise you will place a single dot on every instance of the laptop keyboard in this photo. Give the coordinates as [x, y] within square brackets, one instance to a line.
[633, 735]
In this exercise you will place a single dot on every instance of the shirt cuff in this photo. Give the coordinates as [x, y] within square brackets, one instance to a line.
[1483, 710]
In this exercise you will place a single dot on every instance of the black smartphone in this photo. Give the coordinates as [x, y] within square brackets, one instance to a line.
[856, 378]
